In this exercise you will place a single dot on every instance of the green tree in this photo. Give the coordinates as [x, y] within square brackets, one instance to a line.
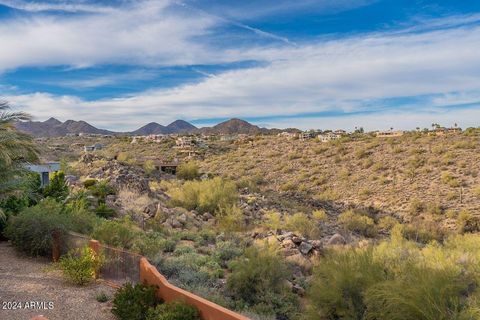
[16, 149]
[57, 188]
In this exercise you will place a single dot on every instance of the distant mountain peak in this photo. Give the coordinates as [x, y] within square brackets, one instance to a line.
[52, 122]
[150, 128]
[181, 126]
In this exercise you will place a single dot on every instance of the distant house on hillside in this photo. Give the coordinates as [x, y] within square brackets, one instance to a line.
[44, 170]
[94, 147]
[340, 132]
[329, 136]
[185, 142]
[288, 135]
[306, 135]
[441, 131]
[389, 134]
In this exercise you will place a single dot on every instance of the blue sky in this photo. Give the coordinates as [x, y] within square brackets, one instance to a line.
[308, 63]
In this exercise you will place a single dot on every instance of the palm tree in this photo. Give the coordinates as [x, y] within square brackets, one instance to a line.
[16, 148]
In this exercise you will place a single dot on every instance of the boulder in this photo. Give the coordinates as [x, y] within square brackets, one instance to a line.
[336, 239]
[305, 247]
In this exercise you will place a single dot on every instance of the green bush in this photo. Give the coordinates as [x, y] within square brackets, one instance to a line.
[101, 190]
[205, 196]
[399, 280]
[358, 222]
[188, 171]
[118, 233]
[339, 283]
[173, 311]
[31, 230]
[89, 183]
[133, 302]
[80, 265]
[105, 211]
[101, 297]
[57, 188]
[258, 279]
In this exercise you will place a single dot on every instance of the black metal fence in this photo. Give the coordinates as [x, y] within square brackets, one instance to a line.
[120, 266]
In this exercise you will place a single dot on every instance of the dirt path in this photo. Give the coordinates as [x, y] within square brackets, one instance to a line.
[24, 280]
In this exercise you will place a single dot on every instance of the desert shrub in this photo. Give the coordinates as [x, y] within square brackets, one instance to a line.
[132, 201]
[152, 244]
[231, 219]
[358, 222]
[101, 297]
[118, 233]
[476, 192]
[466, 222]
[339, 284]
[301, 223]
[404, 297]
[132, 302]
[79, 266]
[176, 310]
[423, 231]
[273, 220]
[149, 167]
[125, 157]
[82, 220]
[104, 211]
[31, 230]
[449, 179]
[387, 223]
[258, 279]
[416, 207]
[101, 190]
[188, 171]
[189, 269]
[57, 188]
[205, 196]
[89, 183]
[320, 215]
[434, 208]
[364, 193]
[328, 195]
[392, 280]
[226, 251]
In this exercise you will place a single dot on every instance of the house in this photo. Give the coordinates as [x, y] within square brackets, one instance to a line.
[288, 135]
[389, 134]
[454, 130]
[94, 147]
[306, 135]
[228, 137]
[185, 142]
[329, 136]
[340, 132]
[44, 171]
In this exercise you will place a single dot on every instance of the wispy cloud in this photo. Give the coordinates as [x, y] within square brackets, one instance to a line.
[347, 76]
[67, 6]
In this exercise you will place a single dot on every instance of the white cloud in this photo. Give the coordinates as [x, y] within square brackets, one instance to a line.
[347, 75]
[145, 32]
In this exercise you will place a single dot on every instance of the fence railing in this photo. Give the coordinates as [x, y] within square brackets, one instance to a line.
[122, 266]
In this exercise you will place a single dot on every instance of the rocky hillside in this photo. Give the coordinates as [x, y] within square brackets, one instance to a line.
[395, 176]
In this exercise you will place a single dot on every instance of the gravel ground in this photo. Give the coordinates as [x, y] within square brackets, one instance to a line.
[31, 283]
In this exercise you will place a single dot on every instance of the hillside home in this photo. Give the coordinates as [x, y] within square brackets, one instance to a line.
[94, 147]
[329, 136]
[44, 170]
[389, 134]
[288, 135]
[185, 142]
[340, 132]
[306, 135]
[228, 137]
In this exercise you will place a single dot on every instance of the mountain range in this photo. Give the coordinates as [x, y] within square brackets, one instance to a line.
[55, 128]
